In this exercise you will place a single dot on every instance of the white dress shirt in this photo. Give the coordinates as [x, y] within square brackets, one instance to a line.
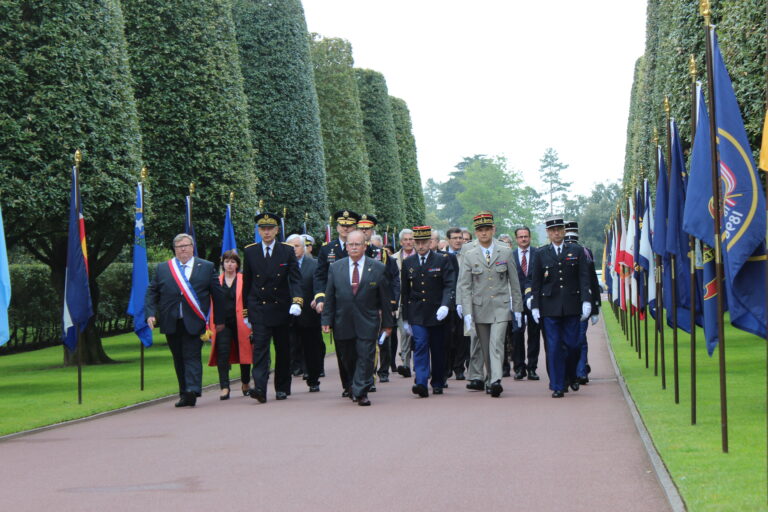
[271, 248]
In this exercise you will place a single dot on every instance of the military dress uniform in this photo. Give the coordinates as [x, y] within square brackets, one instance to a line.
[330, 253]
[559, 288]
[489, 293]
[271, 284]
[428, 290]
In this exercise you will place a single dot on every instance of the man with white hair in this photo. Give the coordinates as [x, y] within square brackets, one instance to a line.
[407, 248]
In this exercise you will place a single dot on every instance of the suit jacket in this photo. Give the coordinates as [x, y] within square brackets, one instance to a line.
[393, 271]
[559, 284]
[164, 296]
[271, 286]
[427, 287]
[357, 316]
[594, 284]
[329, 253]
[309, 317]
[486, 289]
[525, 281]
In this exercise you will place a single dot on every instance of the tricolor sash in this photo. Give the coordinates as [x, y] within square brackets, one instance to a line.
[186, 289]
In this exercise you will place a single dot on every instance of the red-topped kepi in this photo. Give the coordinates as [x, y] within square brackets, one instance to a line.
[483, 219]
[422, 232]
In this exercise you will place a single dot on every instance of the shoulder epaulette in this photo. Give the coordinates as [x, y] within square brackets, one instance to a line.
[249, 245]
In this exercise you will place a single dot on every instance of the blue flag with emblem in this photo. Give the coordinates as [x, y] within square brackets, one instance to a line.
[228, 242]
[5, 288]
[744, 221]
[140, 274]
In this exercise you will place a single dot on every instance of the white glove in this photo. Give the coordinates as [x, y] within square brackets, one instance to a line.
[594, 319]
[468, 322]
[528, 302]
[442, 312]
[519, 318]
[247, 323]
[295, 310]
[535, 314]
[586, 309]
[407, 328]
[459, 311]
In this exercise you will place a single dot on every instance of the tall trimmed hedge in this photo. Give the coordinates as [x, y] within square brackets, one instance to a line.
[381, 144]
[346, 159]
[283, 111]
[406, 146]
[194, 117]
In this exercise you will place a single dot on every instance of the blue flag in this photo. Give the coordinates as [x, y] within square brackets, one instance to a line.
[5, 288]
[140, 275]
[659, 242]
[282, 229]
[188, 227]
[77, 295]
[640, 274]
[256, 235]
[228, 242]
[744, 221]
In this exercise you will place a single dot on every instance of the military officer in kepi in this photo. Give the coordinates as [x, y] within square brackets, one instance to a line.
[560, 300]
[429, 287]
[489, 291]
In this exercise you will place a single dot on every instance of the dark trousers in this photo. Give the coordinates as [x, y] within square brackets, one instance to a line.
[457, 345]
[344, 376]
[393, 351]
[186, 350]
[357, 356]
[563, 349]
[226, 342]
[429, 343]
[261, 359]
[311, 341]
[518, 344]
[298, 364]
[581, 368]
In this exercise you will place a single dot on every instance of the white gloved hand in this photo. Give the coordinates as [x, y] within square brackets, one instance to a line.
[407, 328]
[459, 311]
[468, 322]
[295, 310]
[594, 319]
[442, 312]
[247, 323]
[586, 309]
[536, 315]
[528, 302]
[519, 319]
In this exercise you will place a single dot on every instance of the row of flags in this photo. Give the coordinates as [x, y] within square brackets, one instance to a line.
[684, 207]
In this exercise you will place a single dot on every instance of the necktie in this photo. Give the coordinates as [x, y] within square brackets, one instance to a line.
[267, 252]
[524, 263]
[558, 251]
[488, 256]
[183, 271]
[423, 260]
[355, 279]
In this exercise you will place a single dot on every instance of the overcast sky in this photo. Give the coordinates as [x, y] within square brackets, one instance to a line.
[502, 76]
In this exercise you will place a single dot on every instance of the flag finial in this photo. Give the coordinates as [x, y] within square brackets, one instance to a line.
[261, 204]
[143, 173]
[655, 136]
[705, 10]
[191, 188]
[231, 197]
[692, 68]
[78, 158]
[666, 105]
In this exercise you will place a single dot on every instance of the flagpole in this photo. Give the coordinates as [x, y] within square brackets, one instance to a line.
[704, 8]
[659, 341]
[78, 159]
[672, 264]
[143, 176]
[692, 245]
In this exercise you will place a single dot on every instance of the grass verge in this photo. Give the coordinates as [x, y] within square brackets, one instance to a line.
[708, 479]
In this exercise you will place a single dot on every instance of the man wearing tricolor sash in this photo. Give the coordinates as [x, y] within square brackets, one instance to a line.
[180, 296]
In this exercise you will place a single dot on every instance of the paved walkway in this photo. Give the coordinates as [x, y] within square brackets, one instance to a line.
[462, 451]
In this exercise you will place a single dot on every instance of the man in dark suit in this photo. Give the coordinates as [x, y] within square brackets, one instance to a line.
[457, 345]
[272, 285]
[357, 302]
[560, 299]
[306, 328]
[429, 288]
[524, 256]
[180, 295]
[346, 222]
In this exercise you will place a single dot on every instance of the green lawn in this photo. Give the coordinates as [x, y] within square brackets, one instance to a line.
[35, 390]
[708, 479]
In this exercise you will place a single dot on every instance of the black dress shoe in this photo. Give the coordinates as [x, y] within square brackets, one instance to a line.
[305, 376]
[406, 372]
[532, 375]
[519, 374]
[401, 370]
[187, 400]
[383, 378]
[575, 385]
[437, 391]
[505, 373]
[345, 394]
[557, 394]
[496, 389]
[281, 395]
[297, 372]
[460, 376]
[583, 380]
[224, 397]
[372, 389]
[322, 374]
[420, 390]
[363, 401]
[258, 394]
[314, 388]
[476, 385]
[244, 387]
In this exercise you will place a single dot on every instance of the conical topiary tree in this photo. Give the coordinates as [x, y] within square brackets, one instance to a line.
[346, 159]
[194, 117]
[406, 145]
[284, 117]
[381, 144]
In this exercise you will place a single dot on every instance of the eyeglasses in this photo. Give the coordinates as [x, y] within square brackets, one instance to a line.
[183, 246]
[355, 244]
